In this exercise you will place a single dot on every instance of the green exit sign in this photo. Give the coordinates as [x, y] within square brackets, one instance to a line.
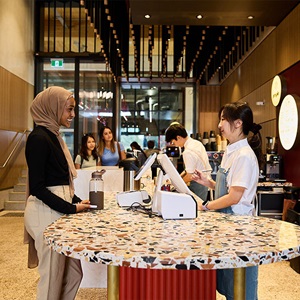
[57, 63]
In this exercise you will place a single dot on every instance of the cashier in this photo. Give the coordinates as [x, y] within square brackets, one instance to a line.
[236, 181]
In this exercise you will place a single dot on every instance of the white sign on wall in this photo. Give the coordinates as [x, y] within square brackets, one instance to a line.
[278, 89]
[288, 121]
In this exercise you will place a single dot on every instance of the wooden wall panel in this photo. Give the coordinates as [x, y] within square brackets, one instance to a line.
[288, 41]
[251, 82]
[13, 169]
[208, 108]
[276, 53]
[15, 97]
[261, 113]
[255, 71]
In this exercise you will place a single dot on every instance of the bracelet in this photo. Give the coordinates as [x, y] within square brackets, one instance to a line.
[205, 208]
[204, 205]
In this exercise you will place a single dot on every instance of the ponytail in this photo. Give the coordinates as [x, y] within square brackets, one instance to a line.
[242, 111]
[255, 142]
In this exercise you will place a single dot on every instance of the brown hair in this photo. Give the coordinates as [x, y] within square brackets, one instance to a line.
[101, 145]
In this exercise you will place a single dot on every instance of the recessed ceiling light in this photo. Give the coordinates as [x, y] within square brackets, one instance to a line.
[199, 17]
[147, 16]
[250, 17]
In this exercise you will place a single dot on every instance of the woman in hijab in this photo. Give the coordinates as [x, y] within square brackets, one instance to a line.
[51, 191]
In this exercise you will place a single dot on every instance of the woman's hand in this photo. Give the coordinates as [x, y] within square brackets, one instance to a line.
[200, 177]
[83, 205]
[85, 202]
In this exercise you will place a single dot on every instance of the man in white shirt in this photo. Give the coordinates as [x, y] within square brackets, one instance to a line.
[194, 157]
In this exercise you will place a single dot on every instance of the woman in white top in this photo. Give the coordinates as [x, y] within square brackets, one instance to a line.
[236, 181]
[88, 155]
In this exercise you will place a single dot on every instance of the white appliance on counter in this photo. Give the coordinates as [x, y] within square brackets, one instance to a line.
[172, 205]
[129, 198]
[133, 198]
[179, 204]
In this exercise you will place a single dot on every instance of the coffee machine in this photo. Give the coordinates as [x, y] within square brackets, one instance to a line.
[273, 160]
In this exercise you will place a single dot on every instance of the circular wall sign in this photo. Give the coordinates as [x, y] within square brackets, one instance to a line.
[278, 89]
[288, 121]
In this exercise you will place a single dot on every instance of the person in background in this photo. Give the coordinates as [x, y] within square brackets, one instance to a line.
[149, 152]
[88, 155]
[141, 155]
[194, 157]
[236, 181]
[151, 149]
[51, 192]
[110, 151]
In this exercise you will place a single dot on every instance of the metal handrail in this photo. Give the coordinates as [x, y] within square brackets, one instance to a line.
[14, 149]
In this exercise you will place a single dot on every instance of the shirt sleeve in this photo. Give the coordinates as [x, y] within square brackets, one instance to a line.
[37, 153]
[191, 161]
[78, 159]
[241, 171]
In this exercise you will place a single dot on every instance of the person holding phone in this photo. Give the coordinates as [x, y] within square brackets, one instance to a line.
[51, 192]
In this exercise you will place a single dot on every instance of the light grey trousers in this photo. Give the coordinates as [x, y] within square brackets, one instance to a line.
[60, 276]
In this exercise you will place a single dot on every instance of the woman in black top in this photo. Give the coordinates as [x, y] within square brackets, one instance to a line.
[141, 155]
[50, 172]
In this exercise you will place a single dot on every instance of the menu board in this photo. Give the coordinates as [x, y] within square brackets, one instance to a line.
[288, 121]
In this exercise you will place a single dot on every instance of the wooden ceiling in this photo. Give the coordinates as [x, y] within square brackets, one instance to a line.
[214, 12]
[172, 44]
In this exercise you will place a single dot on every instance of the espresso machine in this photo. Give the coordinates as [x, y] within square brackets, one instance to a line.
[273, 160]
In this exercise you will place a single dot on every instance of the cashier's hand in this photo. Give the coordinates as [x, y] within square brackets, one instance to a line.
[83, 205]
[201, 178]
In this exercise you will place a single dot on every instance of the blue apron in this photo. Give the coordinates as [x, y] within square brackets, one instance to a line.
[225, 276]
[199, 189]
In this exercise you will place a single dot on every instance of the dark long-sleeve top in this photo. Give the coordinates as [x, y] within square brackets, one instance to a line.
[47, 166]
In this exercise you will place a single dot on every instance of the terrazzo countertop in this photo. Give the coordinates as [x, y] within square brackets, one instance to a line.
[120, 237]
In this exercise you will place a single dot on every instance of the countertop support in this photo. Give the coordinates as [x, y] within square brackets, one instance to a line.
[112, 282]
[239, 283]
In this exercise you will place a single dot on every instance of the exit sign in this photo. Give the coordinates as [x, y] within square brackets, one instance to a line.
[57, 63]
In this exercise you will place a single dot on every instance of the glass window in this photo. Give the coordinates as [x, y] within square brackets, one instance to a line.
[95, 99]
[147, 111]
[61, 73]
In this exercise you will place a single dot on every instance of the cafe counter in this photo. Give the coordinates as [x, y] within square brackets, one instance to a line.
[119, 237]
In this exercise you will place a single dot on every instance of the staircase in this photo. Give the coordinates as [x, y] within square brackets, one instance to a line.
[17, 197]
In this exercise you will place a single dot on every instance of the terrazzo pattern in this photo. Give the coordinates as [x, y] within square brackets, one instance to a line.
[213, 240]
[276, 281]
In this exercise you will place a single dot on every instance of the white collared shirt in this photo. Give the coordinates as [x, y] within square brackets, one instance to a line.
[195, 156]
[242, 164]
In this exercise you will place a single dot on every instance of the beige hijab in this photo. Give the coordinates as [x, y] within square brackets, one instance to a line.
[46, 110]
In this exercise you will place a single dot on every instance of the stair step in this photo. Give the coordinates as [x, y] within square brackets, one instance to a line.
[14, 205]
[20, 187]
[24, 172]
[17, 196]
[22, 179]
